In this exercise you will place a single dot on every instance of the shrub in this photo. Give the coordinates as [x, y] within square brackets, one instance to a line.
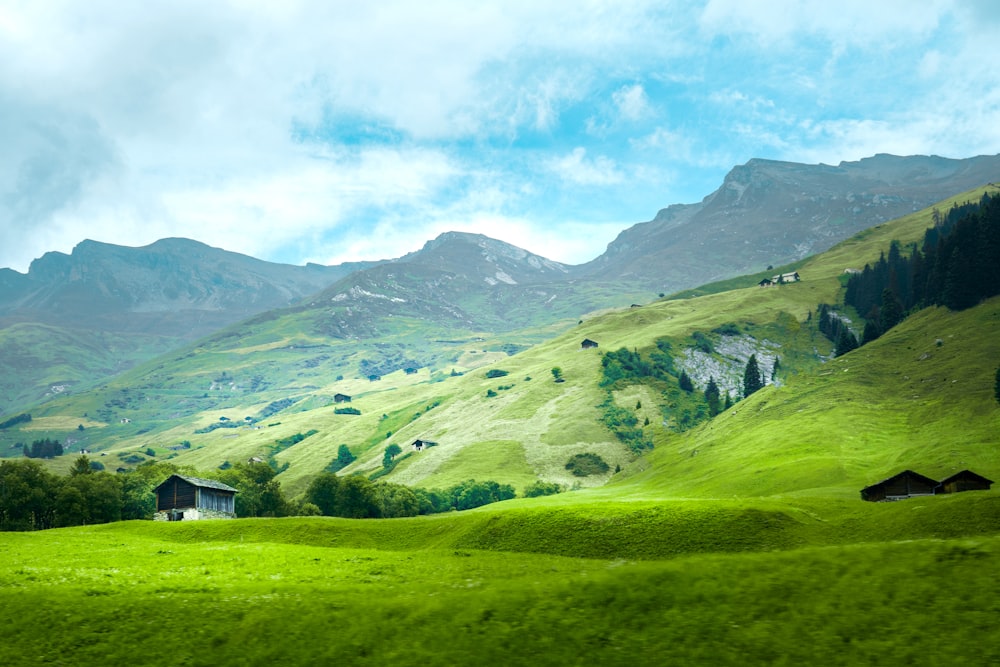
[495, 373]
[588, 463]
[540, 488]
[346, 411]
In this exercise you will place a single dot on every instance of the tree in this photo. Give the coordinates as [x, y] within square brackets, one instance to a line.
[344, 459]
[323, 492]
[996, 386]
[81, 466]
[891, 312]
[846, 342]
[685, 382]
[27, 495]
[259, 492]
[752, 380]
[355, 498]
[713, 398]
[391, 452]
[88, 499]
[395, 500]
[557, 374]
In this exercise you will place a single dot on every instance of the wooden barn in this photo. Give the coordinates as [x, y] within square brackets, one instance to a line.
[964, 481]
[902, 485]
[419, 445]
[341, 398]
[182, 498]
[587, 344]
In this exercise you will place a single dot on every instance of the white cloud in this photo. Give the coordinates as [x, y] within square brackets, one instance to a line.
[632, 102]
[282, 125]
[576, 168]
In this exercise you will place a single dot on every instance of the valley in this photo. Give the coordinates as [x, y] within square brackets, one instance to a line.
[738, 538]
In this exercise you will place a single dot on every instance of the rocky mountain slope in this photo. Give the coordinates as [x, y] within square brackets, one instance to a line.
[772, 213]
[150, 300]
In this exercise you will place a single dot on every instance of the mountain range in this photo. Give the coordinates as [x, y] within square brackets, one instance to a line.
[74, 320]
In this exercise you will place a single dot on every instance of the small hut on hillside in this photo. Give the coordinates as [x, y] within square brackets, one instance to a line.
[182, 498]
[902, 485]
[587, 344]
[419, 445]
[341, 398]
[965, 480]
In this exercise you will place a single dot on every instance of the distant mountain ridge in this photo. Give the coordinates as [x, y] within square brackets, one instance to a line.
[768, 213]
[152, 299]
[173, 287]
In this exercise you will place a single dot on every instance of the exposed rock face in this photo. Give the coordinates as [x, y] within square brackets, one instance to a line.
[729, 363]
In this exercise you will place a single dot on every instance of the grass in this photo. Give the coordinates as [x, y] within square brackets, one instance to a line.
[741, 541]
[615, 583]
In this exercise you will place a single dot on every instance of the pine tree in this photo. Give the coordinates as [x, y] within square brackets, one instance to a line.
[713, 398]
[846, 342]
[996, 386]
[685, 382]
[891, 312]
[752, 380]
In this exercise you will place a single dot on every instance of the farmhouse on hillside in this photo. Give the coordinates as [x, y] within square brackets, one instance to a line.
[182, 498]
[908, 484]
[419, 445]
[965, 480]
[902, 485]
[780, 279]
[341, 398]
[587, 344]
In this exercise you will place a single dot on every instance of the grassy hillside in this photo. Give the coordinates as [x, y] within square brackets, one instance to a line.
[739, 541]
[798, 584]
[826, 426]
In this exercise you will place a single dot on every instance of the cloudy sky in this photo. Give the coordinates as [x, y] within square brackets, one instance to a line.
[329, 131]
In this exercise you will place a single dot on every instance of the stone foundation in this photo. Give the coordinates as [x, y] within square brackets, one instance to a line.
[191, 514]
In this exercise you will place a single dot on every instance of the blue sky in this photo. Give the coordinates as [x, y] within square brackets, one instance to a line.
[334, 131]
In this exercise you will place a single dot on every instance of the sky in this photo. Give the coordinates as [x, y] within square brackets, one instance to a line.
[333, 131]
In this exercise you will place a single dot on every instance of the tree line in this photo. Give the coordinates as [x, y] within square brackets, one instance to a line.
[32, 498]
[957, 265]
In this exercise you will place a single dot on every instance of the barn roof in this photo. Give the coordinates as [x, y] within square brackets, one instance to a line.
[905, 473]
[198, 481]
[967, 474]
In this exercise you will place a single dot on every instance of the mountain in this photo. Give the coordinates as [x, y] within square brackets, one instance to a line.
[467, 281]
[267, 388]
[76, 319]
[173, 287]
[769, 213]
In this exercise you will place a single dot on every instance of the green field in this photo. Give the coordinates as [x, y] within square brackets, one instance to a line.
[741, 540]
[574, 582]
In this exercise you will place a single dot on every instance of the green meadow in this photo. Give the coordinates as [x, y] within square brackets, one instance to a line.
[675, 582]
[741, 540]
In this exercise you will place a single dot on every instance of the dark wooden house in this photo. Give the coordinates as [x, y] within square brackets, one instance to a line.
[964, 481]
[341, 398]
[419, 445]
[182, 498]
[587, 344]
[902, 485]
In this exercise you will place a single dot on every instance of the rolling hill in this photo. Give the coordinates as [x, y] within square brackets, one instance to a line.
[737, 540]
[104, 308]
[235, 395]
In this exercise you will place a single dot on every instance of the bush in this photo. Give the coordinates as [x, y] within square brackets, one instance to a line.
[495, 373]
[588, 463]
[346, 411]
[540, 488]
